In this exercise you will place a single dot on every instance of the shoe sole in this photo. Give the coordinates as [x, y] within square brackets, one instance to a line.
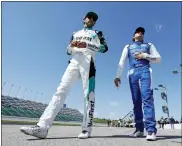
[84, 137]
[151, 139]
[23, 131]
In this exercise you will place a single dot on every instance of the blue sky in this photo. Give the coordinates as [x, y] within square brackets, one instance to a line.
[35, 36]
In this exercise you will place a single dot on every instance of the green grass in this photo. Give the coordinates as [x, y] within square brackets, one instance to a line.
[34, 123]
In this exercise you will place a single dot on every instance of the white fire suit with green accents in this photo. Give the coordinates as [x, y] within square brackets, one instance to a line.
[80, 66]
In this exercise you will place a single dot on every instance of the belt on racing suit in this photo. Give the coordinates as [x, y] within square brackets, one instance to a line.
[140, 65]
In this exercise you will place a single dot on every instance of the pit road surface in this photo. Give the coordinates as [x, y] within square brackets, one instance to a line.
[101, 136]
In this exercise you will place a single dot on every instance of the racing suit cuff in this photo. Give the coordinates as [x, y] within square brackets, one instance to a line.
[117, 77]
[118, 74]
[102, 48]
[69, 50]
[145, 55]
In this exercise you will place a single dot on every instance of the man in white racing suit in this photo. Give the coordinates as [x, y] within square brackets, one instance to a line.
[83, 46]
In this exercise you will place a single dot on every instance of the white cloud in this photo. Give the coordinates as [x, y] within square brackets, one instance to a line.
[158, 27]
[112, 103]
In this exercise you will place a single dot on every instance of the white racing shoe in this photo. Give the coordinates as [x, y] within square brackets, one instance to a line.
[85, 134]
[36, 131]
[151, 136]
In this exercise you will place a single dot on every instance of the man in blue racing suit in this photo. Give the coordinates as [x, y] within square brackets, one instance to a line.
[140, 55]
[83, 46]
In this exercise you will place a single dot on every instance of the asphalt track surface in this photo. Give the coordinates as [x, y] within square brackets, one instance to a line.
[101, 136]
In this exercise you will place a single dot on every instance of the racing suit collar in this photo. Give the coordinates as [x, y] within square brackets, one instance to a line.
[139, 42]
[86, 28]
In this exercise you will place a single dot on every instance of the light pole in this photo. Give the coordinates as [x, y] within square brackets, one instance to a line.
[36, 95]
[31, 91]
[10, 89]
[24, 92]
[42, 96]
[17, 91]
[3, 86]
[165, 89]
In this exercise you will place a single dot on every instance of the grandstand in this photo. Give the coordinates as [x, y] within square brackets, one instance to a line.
[12, 106]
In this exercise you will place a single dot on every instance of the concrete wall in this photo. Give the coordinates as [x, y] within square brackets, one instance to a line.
[176, 126]
[12, 118]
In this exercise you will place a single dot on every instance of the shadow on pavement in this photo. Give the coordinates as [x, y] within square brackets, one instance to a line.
[160, 137]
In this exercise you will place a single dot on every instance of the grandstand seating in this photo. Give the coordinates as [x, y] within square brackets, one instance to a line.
[12, 106]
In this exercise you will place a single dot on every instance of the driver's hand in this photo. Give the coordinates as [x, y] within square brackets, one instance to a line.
[81, 44]
[140, 56]
[117, 82]
[73, 43]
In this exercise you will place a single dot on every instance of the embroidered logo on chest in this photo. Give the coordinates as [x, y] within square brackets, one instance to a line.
[84, 36]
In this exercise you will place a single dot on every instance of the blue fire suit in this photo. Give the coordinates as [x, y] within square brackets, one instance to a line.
[140, 82]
